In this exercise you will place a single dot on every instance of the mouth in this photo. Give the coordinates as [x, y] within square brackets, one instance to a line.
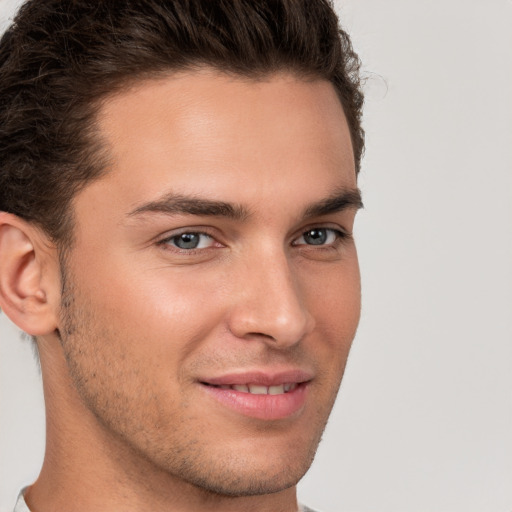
[258, 389]
[259, 395]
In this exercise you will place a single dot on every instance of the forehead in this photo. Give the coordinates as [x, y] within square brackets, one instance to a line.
[217, 133]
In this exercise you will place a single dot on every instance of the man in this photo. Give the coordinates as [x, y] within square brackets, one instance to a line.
[177, 196]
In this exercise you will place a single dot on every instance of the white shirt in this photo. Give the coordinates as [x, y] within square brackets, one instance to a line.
[21, 506]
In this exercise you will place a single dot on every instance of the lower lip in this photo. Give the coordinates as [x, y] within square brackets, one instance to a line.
[263, 407]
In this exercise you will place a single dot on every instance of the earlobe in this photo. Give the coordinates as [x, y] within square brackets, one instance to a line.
[22, 264]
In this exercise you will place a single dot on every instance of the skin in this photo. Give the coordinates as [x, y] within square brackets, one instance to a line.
[140, 323]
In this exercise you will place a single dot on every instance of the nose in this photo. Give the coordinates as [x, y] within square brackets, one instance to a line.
[268, 304]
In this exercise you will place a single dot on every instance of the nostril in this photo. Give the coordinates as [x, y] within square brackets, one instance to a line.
[260, 335]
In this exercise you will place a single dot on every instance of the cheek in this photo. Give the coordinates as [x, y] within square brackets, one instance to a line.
[335, 299]
[161, 298]
[335, 303]
[165, 308]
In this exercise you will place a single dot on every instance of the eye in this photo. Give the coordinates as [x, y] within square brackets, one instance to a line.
[319, 236]
[190, 240]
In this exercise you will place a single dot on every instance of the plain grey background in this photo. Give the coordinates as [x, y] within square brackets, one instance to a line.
[424, 419]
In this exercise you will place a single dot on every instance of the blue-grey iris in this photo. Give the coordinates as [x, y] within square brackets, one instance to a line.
[315, 236]
[187, 240]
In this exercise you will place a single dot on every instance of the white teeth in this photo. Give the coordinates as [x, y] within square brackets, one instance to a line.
[241, 387]
[276, 390]
[258, 390]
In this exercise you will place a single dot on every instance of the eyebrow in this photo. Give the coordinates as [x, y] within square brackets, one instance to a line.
[172, 204]
[189, 205]
[342, 199]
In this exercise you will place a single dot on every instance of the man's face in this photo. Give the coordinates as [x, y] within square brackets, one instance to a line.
[211, 264]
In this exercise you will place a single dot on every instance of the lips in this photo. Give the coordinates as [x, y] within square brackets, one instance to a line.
[261, 395]
[259, 377]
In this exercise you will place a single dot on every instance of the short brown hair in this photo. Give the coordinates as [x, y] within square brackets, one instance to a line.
[59, 58]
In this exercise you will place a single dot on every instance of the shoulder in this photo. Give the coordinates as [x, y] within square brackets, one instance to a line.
[302, 508]
[21, 506]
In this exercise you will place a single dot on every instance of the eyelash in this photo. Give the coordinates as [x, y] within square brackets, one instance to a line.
[340, 238]
[167, 241]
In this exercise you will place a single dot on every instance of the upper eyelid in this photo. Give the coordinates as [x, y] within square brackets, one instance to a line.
[167, 243]
[320, 225]
[204, 230]
[337, 230]
[169, 235]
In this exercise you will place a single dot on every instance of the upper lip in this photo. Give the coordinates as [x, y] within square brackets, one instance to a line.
[261, 377]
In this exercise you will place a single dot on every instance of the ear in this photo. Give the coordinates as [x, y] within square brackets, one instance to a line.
[29, 276]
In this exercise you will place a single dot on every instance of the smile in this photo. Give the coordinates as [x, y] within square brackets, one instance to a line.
[259, 395]
[258, 389]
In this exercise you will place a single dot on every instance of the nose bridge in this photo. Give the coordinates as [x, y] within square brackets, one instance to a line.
[269, 303]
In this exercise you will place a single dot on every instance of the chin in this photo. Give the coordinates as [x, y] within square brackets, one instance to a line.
[252, 483]
[234, 472]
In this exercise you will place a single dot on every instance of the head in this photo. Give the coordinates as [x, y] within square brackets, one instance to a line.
[182, 177]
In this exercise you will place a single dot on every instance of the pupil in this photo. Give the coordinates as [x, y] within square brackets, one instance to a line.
[187, 241]
[316, 236]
